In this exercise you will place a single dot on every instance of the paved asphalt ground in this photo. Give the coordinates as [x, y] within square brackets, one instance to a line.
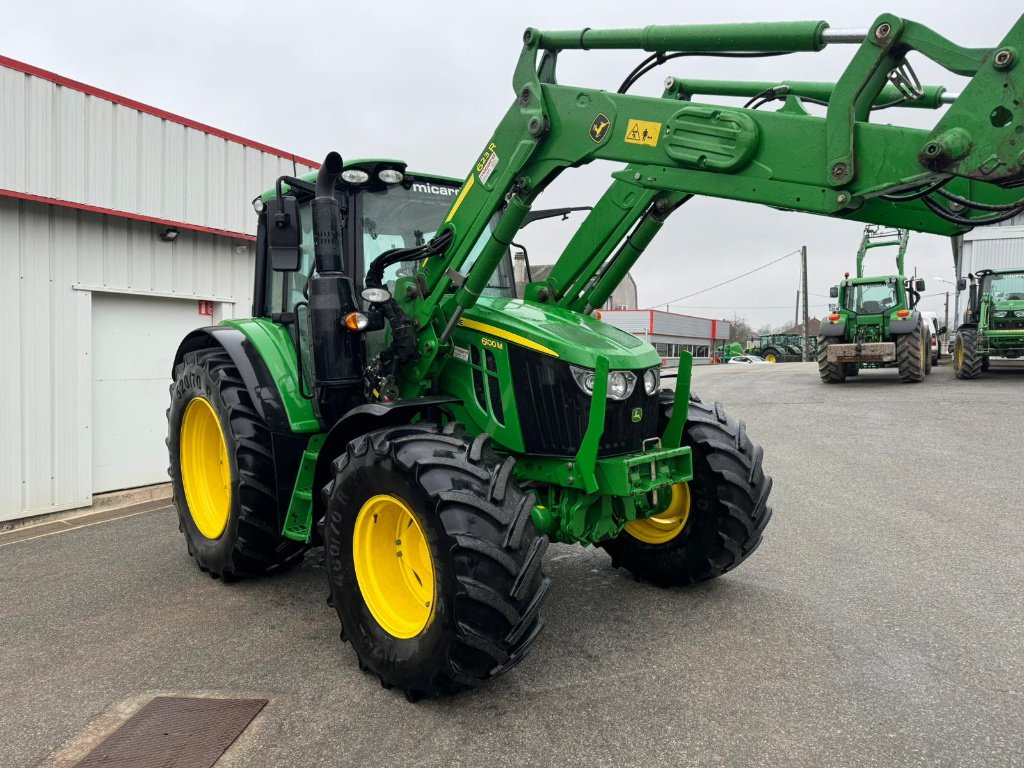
[880, 624]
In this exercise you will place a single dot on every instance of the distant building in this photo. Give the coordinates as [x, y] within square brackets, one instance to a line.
[623, 297]
[813, 328]
[670, 333]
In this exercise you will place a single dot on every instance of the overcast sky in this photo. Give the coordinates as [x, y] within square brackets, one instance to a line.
[394, 79]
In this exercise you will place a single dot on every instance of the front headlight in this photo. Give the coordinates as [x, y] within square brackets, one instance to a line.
[651, 381]
[620, 383]
[584, 377]
[1000, 313]
[1019, 313]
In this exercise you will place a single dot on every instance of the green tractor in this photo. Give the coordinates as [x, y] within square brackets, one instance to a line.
[781, 347]
[993, 321]
[391, 400]
[727, 352]
[876, 323]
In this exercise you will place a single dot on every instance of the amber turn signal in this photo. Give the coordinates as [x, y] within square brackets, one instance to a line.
[356, 321]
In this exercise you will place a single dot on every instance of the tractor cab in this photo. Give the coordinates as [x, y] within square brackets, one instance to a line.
[383, 206]
[872, 302]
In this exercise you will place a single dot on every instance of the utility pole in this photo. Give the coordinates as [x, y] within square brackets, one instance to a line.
[805, 355]
[946, 324]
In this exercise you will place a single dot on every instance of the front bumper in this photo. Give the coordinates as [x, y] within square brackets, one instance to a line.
[878, 352]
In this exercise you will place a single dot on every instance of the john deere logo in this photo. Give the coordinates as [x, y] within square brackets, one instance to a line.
[599, 127]
[638, 413]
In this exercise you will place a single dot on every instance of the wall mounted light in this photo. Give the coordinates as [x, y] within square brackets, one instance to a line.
[169, 235]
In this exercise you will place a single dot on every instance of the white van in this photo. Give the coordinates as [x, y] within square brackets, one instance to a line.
[931, 320]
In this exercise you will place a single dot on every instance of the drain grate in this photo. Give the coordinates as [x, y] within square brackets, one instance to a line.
[175, 732]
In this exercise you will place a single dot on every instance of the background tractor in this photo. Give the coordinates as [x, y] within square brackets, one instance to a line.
[993, 321]
[391, 400]
[876, 323]
[781, 347]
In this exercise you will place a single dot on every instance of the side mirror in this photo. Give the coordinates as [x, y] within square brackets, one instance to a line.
[833, 292]
[284, 233]
[919, 285]
[942, 330]
[961, 284]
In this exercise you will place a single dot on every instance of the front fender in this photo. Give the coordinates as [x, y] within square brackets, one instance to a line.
[359, 421]
[831, 329]
[906, 324]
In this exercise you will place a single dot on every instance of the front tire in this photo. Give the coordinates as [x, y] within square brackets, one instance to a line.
[715, 521]
[830, 372]
[911, 355]
[221, 461]
[967, 363]
[772, 355]
[434, 564]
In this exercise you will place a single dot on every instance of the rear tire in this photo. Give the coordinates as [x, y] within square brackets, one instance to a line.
[241, 537]
[728, 512]
[911, 355]
[484, 567]
[830, 372]
[967, 363]
[851, 369]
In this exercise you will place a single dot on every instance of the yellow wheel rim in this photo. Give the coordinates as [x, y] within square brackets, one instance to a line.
[770, 358]
[667, 525]
[393, 566]
[205, 470]
[959, 349]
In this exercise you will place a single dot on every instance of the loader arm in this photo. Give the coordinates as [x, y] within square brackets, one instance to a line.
[838, 165]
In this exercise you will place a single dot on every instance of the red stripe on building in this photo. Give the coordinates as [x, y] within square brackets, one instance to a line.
[67, 82]
[124, 214]
[651, 328]
[714, 330]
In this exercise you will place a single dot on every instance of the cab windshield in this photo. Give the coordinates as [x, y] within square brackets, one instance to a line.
[1005, 287]
[403, 216]
[870, 298]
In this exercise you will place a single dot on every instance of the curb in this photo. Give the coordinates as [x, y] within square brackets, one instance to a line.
[100, 503]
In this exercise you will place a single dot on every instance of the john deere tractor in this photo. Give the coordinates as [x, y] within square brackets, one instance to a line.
[993, 322]
[392, 401]
[876, 323]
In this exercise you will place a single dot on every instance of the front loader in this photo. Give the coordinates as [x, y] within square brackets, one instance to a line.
[877, 323]
[393, 401]
[993, 321]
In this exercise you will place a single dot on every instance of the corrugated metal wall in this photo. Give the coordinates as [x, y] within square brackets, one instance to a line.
[1000, 246]
[61, 143]
[52, 260]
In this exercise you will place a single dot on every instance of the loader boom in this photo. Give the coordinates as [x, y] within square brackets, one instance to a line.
[674, 148]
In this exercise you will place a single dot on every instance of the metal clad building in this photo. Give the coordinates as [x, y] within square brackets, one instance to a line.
[1000, 246]
[93, 296]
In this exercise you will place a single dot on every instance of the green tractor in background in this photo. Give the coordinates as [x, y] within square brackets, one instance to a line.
[876, 323]
[993, 321]
[391, 400]
[782, 347]
[727, 352]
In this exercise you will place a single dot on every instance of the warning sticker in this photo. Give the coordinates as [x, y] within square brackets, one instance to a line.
[460, 353]
[643, 132]
[487, 163]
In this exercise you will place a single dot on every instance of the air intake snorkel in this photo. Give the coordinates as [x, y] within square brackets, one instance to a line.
[337, 352]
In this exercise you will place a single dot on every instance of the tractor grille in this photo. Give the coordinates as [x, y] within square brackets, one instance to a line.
[554, 412]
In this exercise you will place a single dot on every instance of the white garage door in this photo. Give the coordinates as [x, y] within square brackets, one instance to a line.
[133, 341]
